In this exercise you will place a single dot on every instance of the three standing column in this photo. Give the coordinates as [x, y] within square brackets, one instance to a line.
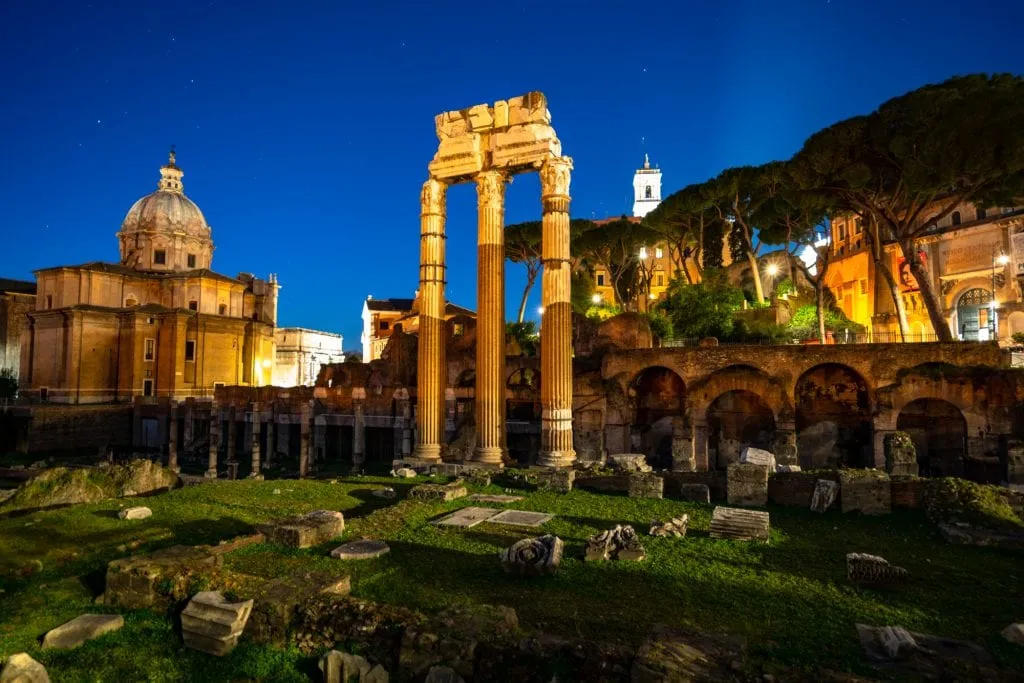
[556, 449]
[489, 397]
[431, 365]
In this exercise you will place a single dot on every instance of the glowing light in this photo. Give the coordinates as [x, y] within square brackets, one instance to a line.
[596, 298]
[266, 362]
[540, 310]
[643, 252]
[772, 270]
[1002, 259]
[652, 296]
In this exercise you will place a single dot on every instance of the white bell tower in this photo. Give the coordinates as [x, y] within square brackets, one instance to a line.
[646, 189]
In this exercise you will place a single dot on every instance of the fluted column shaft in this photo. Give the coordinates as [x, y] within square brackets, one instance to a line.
[431, 368]
[556, 449]
[489, 397]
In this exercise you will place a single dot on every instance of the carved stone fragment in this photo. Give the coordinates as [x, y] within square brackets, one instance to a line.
[533, 556]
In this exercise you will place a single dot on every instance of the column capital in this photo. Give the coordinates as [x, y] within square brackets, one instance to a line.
[555, 175]
[490, 189]
[433, 198]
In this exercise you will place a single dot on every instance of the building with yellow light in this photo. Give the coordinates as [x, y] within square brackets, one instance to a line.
[974, 257]
[158, 323]
[380, 316]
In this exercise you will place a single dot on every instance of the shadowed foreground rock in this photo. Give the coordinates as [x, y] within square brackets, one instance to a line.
[896, 649]
[669, 655]
[81, 629]
[62, 486]
[21, 668]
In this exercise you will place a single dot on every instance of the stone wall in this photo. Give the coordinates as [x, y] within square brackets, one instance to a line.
[75, 428]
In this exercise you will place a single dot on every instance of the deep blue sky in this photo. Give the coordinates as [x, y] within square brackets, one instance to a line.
[304, 128]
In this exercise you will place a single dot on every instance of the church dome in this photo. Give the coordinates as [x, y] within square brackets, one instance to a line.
[165, 230]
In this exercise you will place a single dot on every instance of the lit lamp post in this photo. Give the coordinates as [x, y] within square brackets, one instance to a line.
[999, 261]
[771, 270]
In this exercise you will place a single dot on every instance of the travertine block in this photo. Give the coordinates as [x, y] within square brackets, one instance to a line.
[747, 485]
[740, 525]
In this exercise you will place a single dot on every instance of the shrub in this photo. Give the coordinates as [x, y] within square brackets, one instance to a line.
[1017, 337]
[661, 325]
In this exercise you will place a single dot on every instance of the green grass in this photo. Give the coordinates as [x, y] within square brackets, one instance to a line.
[789, 598]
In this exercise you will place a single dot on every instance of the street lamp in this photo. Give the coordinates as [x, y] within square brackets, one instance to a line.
[772, 270]
[596, 299]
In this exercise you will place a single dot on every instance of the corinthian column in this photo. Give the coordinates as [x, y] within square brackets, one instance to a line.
[556, 322]
[490, 319]
[431, 372]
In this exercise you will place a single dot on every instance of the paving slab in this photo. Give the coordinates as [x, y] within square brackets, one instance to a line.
[467, 517]
[365, 549]
[521, 518]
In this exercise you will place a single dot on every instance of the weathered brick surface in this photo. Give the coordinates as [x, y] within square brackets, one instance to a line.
[792, 488]
[906, 492]
[60, 427]
[715, 480]
[748, 485]
[866, 491]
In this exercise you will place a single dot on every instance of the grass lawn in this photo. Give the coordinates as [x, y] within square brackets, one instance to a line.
[789, 598]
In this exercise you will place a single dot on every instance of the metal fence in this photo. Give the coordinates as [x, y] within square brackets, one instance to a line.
[844, 338]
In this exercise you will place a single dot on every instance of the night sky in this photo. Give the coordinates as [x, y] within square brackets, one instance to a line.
[304, 128]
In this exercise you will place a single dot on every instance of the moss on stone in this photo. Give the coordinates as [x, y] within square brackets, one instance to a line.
[64, 486]
[952, 500]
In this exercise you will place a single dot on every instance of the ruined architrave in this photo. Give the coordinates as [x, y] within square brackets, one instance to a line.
[487, 145]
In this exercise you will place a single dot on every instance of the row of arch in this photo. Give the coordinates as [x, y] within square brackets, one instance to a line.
[831, 414]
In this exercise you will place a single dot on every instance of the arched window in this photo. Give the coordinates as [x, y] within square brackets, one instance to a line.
[955, 218]
[980, 214]
[647, 192]
[223, 309]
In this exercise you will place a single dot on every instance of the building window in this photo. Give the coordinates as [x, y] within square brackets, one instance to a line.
[980, 214]
[858, 226]
[955, 218]
[193, 305]
[150, 349]
[382, 325]
[600, 279]
[647, 192]
[658, 253]
[130, 302]
[191, 260]
[147, 387]
[458, 329]
[190, 350]
[863, 286]
[643, 252]
[160, 257]
[660, 281]
[49, 301]
[842, 231]
[222, 309]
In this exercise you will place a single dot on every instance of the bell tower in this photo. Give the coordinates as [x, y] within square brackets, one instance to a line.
[646, 189]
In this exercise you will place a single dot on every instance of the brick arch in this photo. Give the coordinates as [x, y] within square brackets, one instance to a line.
[833, 406]
[895, 398]
[862, 366]
[739, 378]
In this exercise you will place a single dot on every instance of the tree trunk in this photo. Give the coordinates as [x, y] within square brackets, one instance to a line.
[894, 291]
[927, 289]
[531, 277]
[819, 302]
[755, 273]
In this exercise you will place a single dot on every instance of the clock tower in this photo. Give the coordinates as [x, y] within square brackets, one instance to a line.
[646, 189]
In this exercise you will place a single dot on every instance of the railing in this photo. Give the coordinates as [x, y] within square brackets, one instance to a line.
[842, 338]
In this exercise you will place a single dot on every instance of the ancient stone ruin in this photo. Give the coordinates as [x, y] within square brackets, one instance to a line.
[739, 525]
[533, 556]
[825, 492]
[306, 530]
[675, 527]
[872, 569]
[213, 625]
[618, 543]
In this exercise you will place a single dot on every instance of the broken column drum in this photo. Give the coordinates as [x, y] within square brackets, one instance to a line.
[487, 145]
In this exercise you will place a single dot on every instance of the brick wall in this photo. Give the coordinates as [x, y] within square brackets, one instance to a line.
[82, 427]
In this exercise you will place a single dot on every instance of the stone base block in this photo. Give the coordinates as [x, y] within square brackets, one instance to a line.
[213, 625]
[739, 525]
[747, 485]
[133, 582]
[306, 530]
[865, 491]
[559, 481]
[81, 629]
[646, 485]
[439, 492]
[697, 493]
